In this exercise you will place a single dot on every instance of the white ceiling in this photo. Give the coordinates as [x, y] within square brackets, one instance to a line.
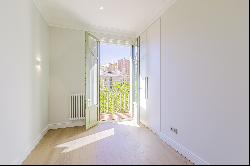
[124, 16]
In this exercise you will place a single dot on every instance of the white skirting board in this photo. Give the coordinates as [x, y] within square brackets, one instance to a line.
[26, 153]
[183, 150]
[66, 124]
[179, 148]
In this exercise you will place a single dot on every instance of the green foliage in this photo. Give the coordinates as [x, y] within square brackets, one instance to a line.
[116, 99]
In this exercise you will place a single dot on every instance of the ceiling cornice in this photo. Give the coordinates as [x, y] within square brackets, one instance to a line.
[156, 17]
[108, 30]
[36, 4]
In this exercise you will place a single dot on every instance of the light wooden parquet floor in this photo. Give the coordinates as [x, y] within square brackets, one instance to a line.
[106, 144]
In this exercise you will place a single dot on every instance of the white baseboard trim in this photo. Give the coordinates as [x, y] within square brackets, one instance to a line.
[178, 147]
[150, 128]
[183, 150]
[66, 124]
[26, 153]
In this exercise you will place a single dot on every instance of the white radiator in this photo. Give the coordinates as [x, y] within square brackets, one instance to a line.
[77, 107]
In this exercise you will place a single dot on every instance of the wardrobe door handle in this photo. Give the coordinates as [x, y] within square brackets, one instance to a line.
[146, 87]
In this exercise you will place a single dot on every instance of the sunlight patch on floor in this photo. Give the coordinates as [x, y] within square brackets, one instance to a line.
[81, 142]
[129, 123]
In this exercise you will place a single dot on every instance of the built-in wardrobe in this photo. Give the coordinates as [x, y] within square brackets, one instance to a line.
[150, 65]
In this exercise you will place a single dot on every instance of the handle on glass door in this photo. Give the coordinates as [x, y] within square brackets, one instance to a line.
[89, 102]
[146, 87]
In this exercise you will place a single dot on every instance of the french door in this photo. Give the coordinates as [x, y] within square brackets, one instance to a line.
[136, 80]
[92, 54]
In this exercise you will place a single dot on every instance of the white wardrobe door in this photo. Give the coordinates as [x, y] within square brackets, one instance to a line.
[153, 71]
[143, 74]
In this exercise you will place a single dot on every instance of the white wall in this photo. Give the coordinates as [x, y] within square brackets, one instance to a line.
[66, 71]
[205, 78]
[24, 89]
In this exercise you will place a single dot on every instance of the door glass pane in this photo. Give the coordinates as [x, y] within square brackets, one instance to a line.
[93, 47]
[135, 80]
[91, 78]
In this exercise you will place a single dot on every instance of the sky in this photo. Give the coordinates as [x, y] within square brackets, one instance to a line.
[113, 52]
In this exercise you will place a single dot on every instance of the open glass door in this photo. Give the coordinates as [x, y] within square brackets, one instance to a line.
[92, 48]
[136, 80]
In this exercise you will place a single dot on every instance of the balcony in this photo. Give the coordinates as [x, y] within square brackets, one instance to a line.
[115, 102]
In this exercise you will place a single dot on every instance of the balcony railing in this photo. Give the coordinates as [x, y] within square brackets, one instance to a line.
[114, 102]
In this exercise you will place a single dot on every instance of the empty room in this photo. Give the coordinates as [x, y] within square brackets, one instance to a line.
[124, 82]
